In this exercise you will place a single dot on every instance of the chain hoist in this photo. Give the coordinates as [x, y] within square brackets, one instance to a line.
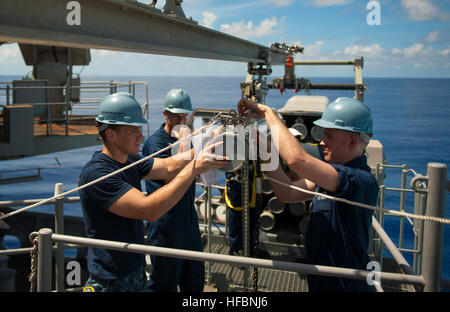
[245, 218]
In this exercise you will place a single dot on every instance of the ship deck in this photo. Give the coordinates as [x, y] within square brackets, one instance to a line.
[79, 126]
[230, 278]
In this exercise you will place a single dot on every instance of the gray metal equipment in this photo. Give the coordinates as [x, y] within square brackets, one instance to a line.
[154, 31]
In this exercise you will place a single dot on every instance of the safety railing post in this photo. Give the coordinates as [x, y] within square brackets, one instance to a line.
[44, 274]
[147, 104]
[7, 94]
[381, 221]
[59, 229]
[68, 89]
[419, 209]
[402, 206]
[208, 206]
[49, 114]
[66, 109]
[433, 237]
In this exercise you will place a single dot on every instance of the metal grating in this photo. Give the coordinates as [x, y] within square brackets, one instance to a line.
[227, 277]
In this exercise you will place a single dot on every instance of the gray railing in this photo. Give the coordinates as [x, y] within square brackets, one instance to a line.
[86, 104]
[431, 253]
[46, 238]
[25, 177]
[426, 202]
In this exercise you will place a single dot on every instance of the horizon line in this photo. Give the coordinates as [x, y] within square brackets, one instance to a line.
[239, 76]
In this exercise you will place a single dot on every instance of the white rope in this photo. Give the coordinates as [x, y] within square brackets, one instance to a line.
[12, 213]
[349, 202]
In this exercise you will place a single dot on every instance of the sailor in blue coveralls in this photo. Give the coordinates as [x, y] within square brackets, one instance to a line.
[338, 233]
[114, 208]
[178, 228]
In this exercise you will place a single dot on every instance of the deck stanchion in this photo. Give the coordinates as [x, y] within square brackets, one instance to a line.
[59, 229]
[433, 231]
[209, 217]
[44, 275]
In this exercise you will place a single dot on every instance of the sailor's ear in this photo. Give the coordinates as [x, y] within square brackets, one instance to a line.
[353, 140]
[111, 133]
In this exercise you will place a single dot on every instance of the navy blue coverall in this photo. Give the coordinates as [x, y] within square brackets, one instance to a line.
[112, 270]
[178, 228]
[338, 233]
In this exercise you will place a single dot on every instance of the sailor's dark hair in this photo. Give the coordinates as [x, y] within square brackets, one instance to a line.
[102, 128]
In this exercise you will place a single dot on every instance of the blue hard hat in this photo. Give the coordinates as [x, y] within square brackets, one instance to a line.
[120, 108]
[177, 101]
[347, 114]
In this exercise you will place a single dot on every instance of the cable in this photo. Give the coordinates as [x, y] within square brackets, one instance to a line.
[213, 122]
[349, 202]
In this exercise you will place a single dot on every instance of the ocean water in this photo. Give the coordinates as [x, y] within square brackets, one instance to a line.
[411, 119]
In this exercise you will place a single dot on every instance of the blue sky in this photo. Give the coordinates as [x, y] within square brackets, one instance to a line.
[413, 39]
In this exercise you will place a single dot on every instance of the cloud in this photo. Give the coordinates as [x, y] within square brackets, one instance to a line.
[248, 30]
[445, 52]
[9, 53]
[416, 56]
[196, 2]
[424, 10]
[416, 60]
[281, 3]
[415, 50]
[370, 51]
[313, 50]
[324, 3]
[106, 53]
[432, 36]
[437, 36]
[11, 60]
[208, 19]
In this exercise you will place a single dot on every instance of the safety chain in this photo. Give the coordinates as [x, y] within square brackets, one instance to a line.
[349, 202]
[33, 255]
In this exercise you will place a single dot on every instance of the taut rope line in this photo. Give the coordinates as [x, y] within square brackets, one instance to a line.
[12, 213]
[349, 202]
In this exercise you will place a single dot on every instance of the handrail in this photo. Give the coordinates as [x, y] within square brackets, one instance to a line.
[401, 261]
[395, 251]
[14, 203]
[107, 87]
[16, 251]
[20, 178]
[46, 237]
